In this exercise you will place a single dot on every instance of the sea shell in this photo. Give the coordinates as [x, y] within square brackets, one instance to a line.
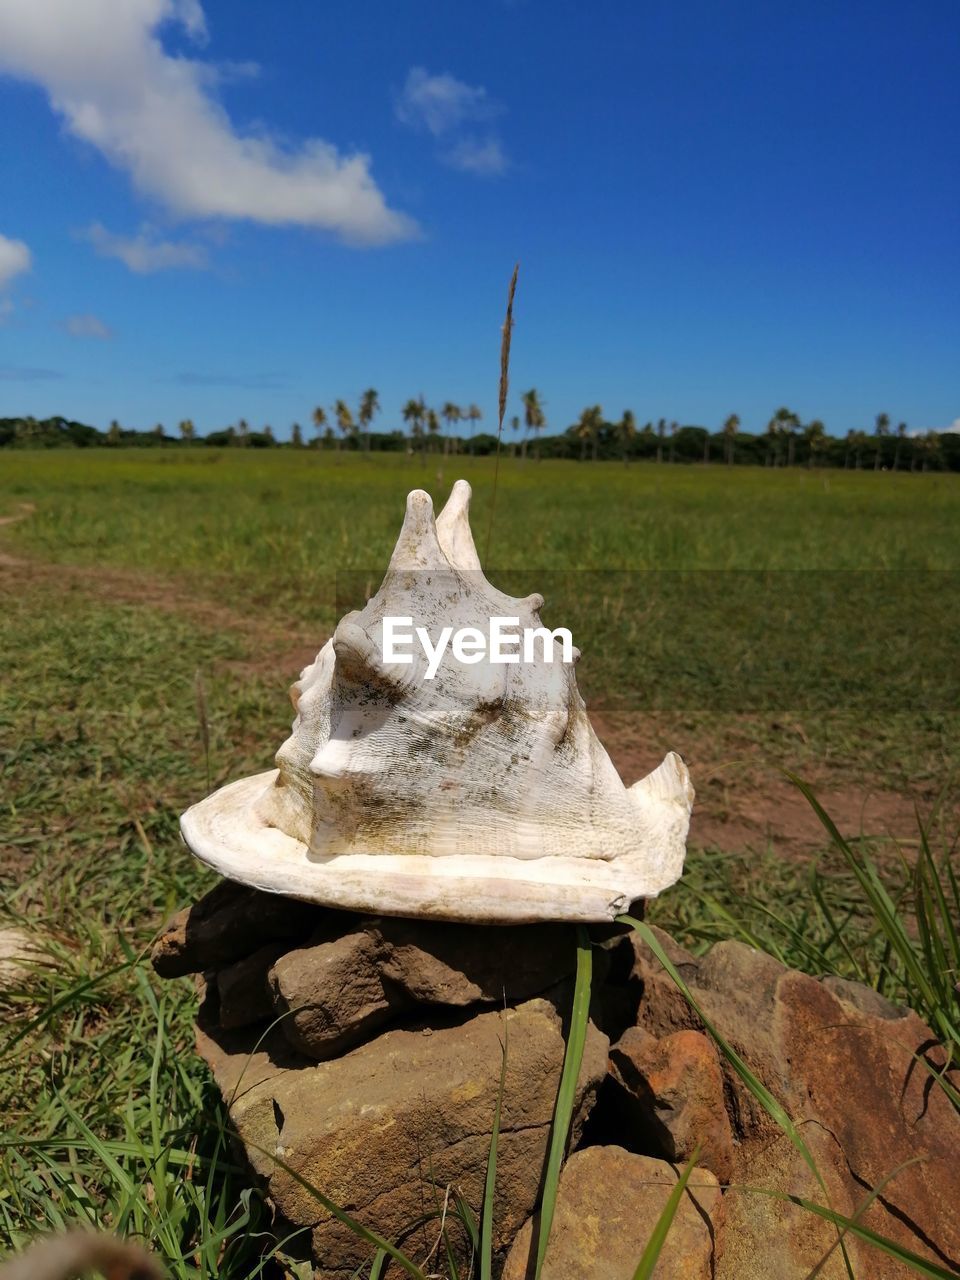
[482, 794]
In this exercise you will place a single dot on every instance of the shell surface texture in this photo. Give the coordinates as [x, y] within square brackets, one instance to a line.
[479, 792]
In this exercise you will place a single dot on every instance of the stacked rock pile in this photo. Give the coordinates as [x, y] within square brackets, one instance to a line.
[364, 1055]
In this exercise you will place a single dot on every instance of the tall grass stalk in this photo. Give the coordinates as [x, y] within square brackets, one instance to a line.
[505, 340]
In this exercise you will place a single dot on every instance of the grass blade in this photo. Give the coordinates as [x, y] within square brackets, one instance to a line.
[486, 1219]
[648, 1261]
[921, 1266]
[563, 1112]
[358, 1229]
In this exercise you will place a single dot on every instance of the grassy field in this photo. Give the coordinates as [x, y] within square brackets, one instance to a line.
[244, 517]
[752, 619]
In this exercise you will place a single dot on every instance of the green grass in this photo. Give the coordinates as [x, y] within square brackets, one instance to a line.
[689, 590]
[288, 519]
[224, 562]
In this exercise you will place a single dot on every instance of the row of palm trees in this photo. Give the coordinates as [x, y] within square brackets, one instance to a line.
[348, 424]
[783, 431]
[422, 419]
[786, 426]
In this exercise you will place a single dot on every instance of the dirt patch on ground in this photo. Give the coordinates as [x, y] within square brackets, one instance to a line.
[271, 650]
[744, 803]
[23, 510]
[741, 801]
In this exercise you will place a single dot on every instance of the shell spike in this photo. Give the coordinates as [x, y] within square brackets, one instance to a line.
[532, 603]
[453, 530]
[670, 781]
[359, 659]
[418, 546]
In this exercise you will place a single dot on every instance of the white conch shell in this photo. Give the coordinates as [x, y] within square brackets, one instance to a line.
[481, 795]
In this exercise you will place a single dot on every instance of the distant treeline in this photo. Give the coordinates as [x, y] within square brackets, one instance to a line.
[785, 442]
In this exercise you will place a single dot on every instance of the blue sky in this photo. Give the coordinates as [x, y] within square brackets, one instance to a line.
[236, 209]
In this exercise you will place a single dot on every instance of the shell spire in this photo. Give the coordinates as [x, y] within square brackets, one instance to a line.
[454, 532]
[422, 780]
[418, 546]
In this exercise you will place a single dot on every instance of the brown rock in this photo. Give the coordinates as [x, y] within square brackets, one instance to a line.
[662, 1007]
[227, 924]
[608, 1204]
[21, 954]
[333, 993]
[671, 1092]
[243, 989]
[450, 964]
[849, 1069]
[380, 1128]
[338, 990]
[863, 998]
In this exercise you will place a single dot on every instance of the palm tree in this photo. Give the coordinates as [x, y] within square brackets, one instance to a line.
[901, 436]
[345, 423]
[113, 434]
[319, 418]
[296, 436]
[268, 433]
[414, 412]
[187, 430]
[533, 416]
[730, 429]
[786, 423]
[815, 438]
[626, 430]
[881, 430]
[451, 413]
[583, 430]
[433, 424]
[661, 431]
[773, 441]
[369, 408]
[243, 433]
[474, 414]
[515, 426]
[588, 428]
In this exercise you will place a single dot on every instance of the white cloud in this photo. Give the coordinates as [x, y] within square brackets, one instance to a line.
[153, 116]
[145, 252]
[15, 257]
[87, 325]
[483, 156]
[441, 103]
